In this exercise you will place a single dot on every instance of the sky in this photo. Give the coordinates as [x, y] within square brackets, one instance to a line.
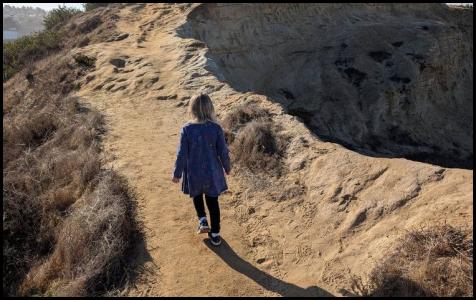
[46, 6]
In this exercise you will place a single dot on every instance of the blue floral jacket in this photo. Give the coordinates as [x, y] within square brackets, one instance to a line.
[202, 155]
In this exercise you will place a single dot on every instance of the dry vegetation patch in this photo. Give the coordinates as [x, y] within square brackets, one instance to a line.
[68, 223]
[255, 140]
[237, 118]
[259, 148]
[434, 261]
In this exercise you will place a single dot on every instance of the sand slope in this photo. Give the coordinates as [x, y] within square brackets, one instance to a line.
[334, 213]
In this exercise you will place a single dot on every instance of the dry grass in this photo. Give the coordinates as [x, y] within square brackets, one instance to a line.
[256, 146]
[239, 117]
[88, 256]
[68, 222]
[436, 261]
[259, 148]
[253, 137]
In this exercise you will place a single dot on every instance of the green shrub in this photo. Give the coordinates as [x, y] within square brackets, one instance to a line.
[59, 16]
[21, 52]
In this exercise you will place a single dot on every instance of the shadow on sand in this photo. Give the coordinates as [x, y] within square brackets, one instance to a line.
[226, 253]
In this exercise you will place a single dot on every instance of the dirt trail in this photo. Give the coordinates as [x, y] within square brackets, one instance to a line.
[141, 140]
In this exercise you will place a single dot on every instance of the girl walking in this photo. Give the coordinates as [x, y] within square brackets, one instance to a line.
[202, 156]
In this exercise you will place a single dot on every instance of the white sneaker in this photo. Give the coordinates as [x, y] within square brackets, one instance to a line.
[203, 227]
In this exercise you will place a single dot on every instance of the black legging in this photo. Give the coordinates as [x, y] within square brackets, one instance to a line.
[213, 209]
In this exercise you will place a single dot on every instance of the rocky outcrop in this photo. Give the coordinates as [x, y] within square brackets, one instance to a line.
[387, 80]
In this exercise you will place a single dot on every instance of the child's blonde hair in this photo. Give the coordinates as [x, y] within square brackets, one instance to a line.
[201, 108]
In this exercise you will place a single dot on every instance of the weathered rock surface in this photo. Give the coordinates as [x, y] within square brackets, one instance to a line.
[390, 80]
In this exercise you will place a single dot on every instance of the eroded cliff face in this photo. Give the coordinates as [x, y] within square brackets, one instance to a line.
[387, 80]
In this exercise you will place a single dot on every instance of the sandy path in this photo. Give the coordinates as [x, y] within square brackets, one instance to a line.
[141, 140]
[142, 137]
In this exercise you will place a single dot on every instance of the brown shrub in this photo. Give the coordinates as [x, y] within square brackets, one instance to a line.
[259, 148]
[88, 255]
[83, 42]
[91, 6]
[436, 261]
[89, 24]
[67, 222]
[85, 61]
[239, 117]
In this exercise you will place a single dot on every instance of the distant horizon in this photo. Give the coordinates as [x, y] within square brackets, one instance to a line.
[47, 6]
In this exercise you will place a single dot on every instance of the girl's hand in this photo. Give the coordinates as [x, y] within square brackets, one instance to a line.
[175, 180]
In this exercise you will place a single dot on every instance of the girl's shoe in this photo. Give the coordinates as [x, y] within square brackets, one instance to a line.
[214, 240]
[203, 227]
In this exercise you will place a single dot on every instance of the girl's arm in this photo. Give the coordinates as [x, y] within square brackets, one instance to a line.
[182, 151]
[222, 151]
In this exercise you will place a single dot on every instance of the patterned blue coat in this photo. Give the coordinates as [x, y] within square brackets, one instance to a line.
[202, 155]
